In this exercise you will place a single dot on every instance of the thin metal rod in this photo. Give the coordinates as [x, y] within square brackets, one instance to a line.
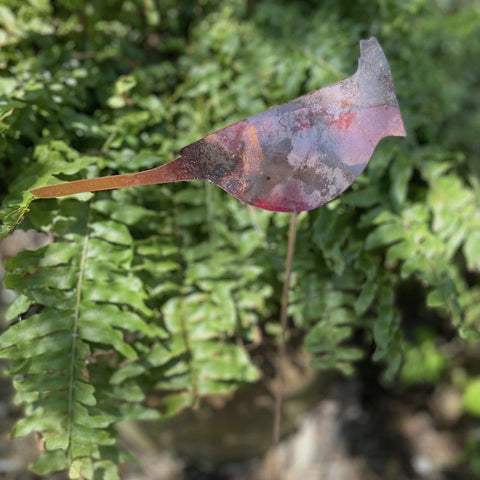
[277, 419]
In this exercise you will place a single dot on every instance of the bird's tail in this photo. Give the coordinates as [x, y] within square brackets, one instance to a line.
[374, 76]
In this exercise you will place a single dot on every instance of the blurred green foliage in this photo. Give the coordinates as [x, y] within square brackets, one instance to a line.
[165, 287]
[471, 396]
[424, 362]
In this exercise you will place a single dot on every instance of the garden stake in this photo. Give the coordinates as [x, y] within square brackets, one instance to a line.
[282, 354]
[290, 158]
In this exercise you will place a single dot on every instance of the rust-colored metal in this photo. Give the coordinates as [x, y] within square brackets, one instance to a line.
[289, 158]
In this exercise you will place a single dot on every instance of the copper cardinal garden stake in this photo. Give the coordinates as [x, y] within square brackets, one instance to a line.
[289, 158]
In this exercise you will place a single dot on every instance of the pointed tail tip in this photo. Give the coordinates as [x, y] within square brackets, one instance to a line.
[368, 42]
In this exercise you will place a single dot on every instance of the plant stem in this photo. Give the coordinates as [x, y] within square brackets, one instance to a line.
[76, 322]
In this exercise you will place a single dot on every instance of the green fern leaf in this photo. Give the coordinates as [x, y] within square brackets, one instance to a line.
[86, 304]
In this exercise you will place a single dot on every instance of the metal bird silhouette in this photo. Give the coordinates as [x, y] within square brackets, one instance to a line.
[289, 158]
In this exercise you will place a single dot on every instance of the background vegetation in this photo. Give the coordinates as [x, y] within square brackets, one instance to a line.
[166, 288]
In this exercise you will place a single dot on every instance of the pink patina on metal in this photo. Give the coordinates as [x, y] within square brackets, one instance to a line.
[289, 158]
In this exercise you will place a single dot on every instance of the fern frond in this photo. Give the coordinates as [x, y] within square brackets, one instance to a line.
[116, 317]
[62, 357]
[205, 310]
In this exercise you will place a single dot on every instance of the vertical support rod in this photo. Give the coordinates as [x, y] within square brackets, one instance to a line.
[277, 419]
